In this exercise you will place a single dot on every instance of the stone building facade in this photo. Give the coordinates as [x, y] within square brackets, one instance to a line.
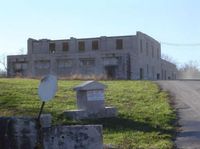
[120, 57]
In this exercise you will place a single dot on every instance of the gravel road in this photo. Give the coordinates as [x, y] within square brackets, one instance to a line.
[187, 103]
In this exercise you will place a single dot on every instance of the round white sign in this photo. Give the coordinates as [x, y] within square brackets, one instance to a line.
[47, 88]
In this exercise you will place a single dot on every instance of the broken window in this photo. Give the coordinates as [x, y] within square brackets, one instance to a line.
[65, 46]
[95, 45]
[119, 44]
[52, 48]
[43, 64]
[81, 46]
[64, 63]
[87, 62]
[20, 66]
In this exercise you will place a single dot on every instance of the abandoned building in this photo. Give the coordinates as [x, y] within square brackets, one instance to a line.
[120, 57]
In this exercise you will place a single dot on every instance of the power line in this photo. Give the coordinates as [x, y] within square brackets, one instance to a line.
[180, 44]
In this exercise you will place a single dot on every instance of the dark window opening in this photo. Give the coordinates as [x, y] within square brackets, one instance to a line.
[65, 46]
[87, 62]
[81, 46]
[141, 74]
[52, 47]
[95, 45]
[119, 44]
[110, 72]
[158, 76]
[165, 75]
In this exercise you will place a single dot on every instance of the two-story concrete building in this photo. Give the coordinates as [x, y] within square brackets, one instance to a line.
[120, 57]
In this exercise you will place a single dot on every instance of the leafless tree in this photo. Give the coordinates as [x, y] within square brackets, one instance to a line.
[190, 70]
[21, 51]
[168, 58]
[3, 64]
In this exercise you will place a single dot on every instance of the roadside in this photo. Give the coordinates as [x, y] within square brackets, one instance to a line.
[186, 95]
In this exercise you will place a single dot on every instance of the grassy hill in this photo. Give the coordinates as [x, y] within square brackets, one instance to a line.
[145, 117]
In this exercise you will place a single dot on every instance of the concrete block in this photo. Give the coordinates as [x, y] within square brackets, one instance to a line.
[45, 120]
[18, 133]
[83, 114]
[76, 114]
[73, 137]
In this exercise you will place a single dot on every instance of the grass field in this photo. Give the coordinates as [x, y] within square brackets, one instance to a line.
[145, 117]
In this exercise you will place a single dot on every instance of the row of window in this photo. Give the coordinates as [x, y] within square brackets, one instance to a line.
[64, 63]
[81, 45]
[147, 49]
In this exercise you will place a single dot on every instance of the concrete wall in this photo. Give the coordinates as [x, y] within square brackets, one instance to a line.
[18, 65]
[139, 57]
[168, 70]
[24, 133]
[18, 133]
[149, 53]
[73, 137]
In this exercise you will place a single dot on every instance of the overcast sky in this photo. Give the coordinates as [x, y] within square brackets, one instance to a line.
[171, 21]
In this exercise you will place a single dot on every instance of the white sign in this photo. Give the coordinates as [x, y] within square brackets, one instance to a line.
[47, 88]
[95, 95]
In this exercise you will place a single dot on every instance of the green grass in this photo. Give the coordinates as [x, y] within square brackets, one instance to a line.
[145, 117]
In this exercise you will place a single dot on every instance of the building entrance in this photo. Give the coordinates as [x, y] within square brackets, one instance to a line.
[141, 74]
[110, 72]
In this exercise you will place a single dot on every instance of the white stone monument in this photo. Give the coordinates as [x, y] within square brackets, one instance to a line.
[91, 102]
[90, 96]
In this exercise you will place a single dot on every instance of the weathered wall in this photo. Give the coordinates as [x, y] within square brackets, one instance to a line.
[149, 56]
[168, 70]
[73, 137]
[17, 133]
[23, 133]
[139, 52]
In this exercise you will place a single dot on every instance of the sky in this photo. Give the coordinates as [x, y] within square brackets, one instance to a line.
[167, 21]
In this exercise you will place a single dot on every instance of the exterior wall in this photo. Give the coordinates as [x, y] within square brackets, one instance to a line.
[17, 65]
[168, 70]
[138, 57]
[149, 57]
[24, 133]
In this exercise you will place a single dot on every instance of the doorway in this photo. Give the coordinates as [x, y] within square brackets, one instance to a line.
[110, 72]
[158, 76]
[141, 74]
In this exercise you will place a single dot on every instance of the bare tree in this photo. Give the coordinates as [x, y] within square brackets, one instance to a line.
[168, 58]
[21, 51]
[190, 70]
[3, 64]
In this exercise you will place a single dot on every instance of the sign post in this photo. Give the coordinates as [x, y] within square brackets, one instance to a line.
[47, 90]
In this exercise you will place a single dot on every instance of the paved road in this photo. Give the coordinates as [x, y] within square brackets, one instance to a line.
[187, 102]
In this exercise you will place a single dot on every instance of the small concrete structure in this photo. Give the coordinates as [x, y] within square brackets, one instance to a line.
[90, 102]
[90, 96]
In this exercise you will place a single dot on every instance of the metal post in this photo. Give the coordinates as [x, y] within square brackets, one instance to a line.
[41, 109]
